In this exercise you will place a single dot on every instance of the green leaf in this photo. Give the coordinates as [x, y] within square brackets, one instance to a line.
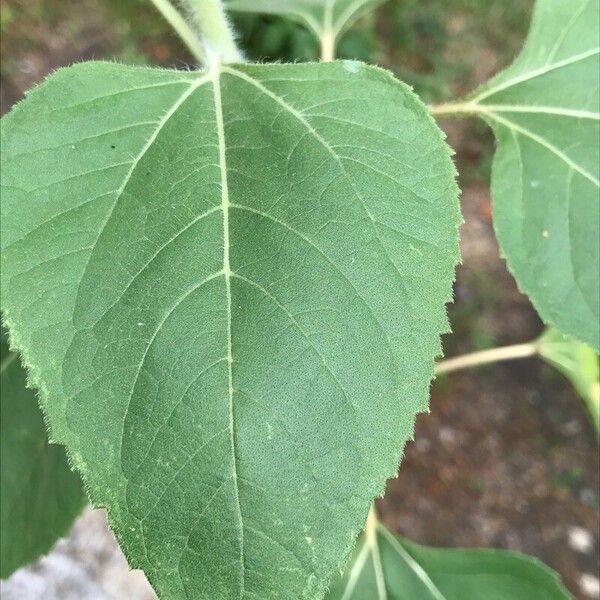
[323, 17]
[389, 567]
[579, 364]
[230, 287]
[544, 112]
[40, 495]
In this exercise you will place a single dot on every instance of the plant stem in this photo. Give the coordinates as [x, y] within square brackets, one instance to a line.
[328, 35]
[216, 33]
[476, 359]
[372, 544]
[179, 24]
[327, 46]
[455, 109]
[371, 524]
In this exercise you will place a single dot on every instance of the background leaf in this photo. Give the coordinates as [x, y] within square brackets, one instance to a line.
[321, 16]
[389, 567]
[230, 287]
[544, 112]
[40, 494]
[578, 363]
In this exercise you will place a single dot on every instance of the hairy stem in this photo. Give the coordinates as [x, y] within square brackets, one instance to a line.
[327, 46]
[328, 35]
[455, 109]
[179, 24]
[215, 31]
[476, 359]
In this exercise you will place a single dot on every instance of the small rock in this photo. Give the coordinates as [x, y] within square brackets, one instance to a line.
[447, 436]
[422, 444]
[588, 496]
[580, 540]
[590, 585]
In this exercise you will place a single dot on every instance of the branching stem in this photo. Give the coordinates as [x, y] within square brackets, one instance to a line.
[215, 31]
[476, 359]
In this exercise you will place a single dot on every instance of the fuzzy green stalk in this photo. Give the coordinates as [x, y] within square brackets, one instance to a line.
[218, 39]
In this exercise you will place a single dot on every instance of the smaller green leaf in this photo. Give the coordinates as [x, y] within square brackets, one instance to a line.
[579, 364]
[388, 567]
[323, 17]
[546, 177]
[40, 494]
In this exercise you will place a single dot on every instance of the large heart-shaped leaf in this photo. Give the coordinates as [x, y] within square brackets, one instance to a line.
[389, 567]
[323, 17]
[229, 287]
[544, 112]
[40, 495]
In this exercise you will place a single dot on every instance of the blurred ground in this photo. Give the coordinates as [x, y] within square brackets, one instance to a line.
[507, 457]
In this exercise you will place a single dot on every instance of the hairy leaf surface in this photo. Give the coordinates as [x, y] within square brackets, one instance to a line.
[579, 364]
[230, 287]
[544, 112]
[323, 17]
[40, 495]
[389, 567]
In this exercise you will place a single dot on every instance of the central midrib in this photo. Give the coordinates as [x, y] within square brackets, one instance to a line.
[216, 74]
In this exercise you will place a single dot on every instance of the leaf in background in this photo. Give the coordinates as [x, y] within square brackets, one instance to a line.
[387, 567]
[323, 17]
[230, 288]
[579, 364]
[40, 495]
[544, 112]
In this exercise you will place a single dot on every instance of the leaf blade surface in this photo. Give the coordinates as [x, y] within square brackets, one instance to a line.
[231, 303]
[544, 110]
[408, 571]
[322, 17]
[579, 364]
